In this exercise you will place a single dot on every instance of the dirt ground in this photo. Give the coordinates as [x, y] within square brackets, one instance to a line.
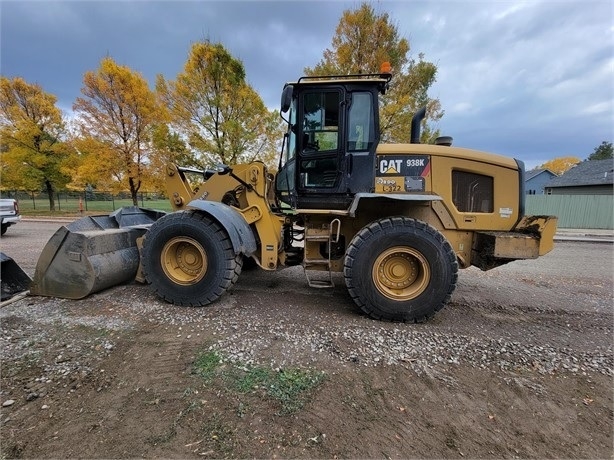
[518, 365]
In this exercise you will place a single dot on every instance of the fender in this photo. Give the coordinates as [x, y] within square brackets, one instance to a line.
[239, 231]
[390, 196]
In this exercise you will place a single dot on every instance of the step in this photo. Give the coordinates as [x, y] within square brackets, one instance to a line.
[311, 262]
[323, 238]
[320, 284]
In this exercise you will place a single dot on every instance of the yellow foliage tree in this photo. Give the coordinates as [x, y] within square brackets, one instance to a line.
[169, 148]
[95, 165]
[560, 165]
[221, 116]
[118, 115]
[364, 40]
[31, 130]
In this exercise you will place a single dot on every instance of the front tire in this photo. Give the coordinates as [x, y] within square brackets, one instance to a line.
[188, 259]
[400, 269]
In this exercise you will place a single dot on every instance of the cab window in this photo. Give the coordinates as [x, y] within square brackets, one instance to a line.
[291, 152]
[361, 130]
[321, 121]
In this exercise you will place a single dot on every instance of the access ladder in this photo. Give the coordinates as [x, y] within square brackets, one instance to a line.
[319, 264]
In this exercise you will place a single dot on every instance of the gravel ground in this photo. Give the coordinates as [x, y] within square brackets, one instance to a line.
[247, 330]
[536, 326]
[350, 340]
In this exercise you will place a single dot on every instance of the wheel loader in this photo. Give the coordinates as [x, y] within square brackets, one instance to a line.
[397, 220]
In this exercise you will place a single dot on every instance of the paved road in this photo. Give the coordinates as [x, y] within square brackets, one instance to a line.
[25, 241]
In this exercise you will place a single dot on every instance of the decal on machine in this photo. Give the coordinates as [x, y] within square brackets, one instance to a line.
[402, 173]
[506, 212]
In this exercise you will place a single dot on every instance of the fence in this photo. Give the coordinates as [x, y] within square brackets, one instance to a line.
[86, 201]
[574, 211]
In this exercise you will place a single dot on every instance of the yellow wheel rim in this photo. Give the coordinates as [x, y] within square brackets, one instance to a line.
[184, 260]
[401, 273]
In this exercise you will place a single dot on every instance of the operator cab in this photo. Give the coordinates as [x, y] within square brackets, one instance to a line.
[329, 148]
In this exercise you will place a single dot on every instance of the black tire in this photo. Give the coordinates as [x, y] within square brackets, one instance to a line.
[400, 269]
[189, 260]
[3, 229]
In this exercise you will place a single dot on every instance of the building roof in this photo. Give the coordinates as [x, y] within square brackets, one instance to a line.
[593, 172]
[536, 172]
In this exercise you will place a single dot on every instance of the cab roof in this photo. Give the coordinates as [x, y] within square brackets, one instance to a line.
[379, 80]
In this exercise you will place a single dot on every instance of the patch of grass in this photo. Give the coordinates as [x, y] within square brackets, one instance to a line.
[248, 379]
[70, 207]
[289, 387]
[206, 364]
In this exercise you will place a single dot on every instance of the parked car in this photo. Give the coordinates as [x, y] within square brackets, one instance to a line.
[9, 213]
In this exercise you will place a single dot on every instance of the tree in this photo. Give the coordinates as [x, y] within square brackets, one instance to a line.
[560, 165]
[95, 165]
[119, 113]
[603, 152]
[31, 130]
[362, 42]
[220, 115]
[169, 147]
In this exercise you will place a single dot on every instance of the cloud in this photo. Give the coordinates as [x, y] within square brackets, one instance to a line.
[531, 79]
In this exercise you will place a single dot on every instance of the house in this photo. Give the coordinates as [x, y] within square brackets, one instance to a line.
[592, 177]
[536, 179]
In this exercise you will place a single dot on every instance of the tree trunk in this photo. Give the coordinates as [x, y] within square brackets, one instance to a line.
[49, 187]
[133, 192]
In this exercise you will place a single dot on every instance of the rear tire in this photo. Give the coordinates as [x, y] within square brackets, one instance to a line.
[400, 269]
[4, 229]
[189, 260]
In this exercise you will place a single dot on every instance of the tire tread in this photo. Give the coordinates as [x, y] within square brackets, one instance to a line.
[232, 262]
[383, 226]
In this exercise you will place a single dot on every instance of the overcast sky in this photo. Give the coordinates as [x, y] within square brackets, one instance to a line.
[528, 79]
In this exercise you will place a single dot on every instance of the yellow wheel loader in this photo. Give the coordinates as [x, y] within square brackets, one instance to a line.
[398, 220]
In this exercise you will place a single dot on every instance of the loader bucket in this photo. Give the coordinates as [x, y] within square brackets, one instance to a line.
[13, 279]
[92, 254]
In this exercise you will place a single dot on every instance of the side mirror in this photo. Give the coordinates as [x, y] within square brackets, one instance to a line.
[286, 98]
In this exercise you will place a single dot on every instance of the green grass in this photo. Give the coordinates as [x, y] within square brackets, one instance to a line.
[248, 379]
[40, 207]
[206, 364]
[289, 387]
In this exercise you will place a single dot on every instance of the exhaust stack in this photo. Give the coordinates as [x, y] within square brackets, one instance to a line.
[415, 125]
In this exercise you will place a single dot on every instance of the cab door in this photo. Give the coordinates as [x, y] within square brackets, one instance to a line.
[285, 181]
[329, 152]
[321, 122]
